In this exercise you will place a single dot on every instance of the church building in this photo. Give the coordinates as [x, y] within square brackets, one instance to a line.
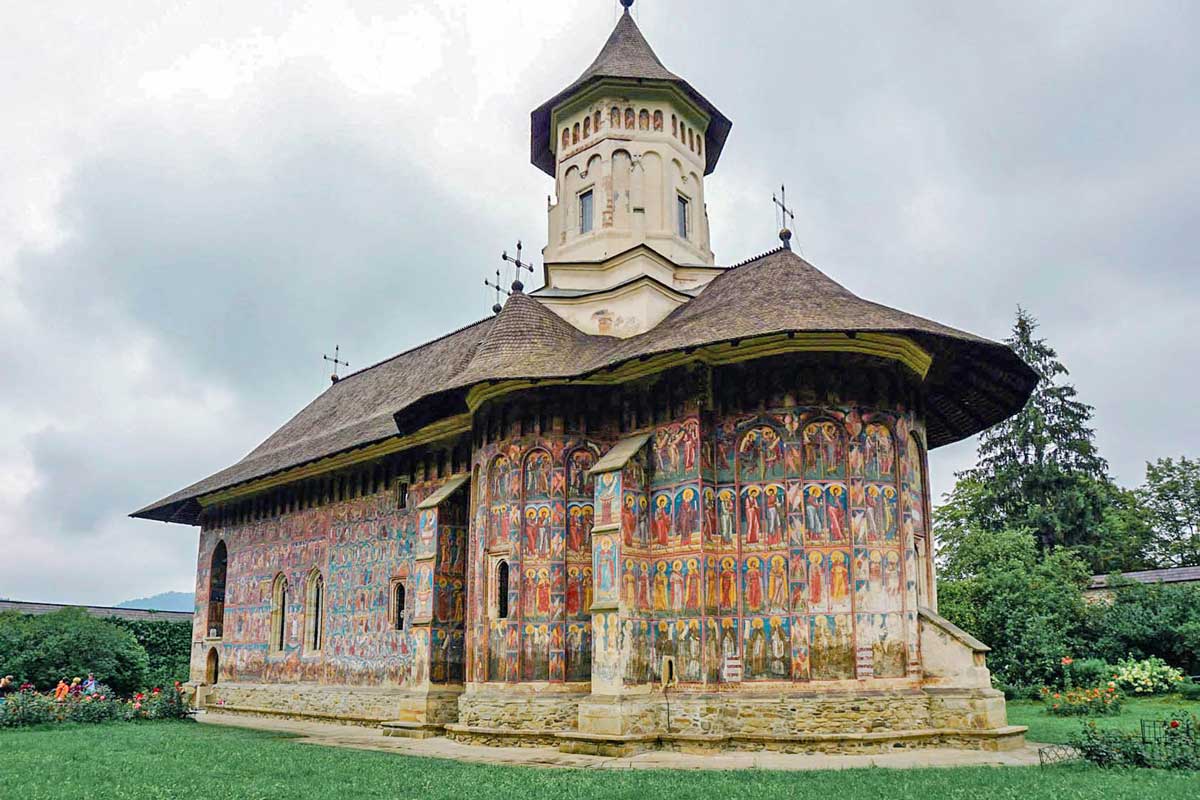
[658, 502]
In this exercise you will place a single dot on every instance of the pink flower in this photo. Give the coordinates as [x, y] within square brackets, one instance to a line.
[136, 706]
[1067, 661]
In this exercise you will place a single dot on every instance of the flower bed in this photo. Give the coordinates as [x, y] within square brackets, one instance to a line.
[1097, 701]
[28, 707]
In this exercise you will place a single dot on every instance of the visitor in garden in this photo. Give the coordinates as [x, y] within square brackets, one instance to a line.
[60, 691]
[89, 686]
[7, 686]
[76, 687]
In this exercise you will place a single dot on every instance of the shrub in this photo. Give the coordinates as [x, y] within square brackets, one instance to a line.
[1189, 691]
[1090, 672]
[1172, 743]
[1148, 676]
[28, 707]
[70, 643]
[168, 647]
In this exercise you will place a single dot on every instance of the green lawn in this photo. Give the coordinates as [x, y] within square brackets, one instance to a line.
[186, 761]
[1045, 728]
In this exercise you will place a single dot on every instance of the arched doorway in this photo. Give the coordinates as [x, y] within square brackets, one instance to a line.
[216, 591]
[212, 669]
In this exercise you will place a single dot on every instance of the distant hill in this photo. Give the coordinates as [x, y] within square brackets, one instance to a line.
[167, 601]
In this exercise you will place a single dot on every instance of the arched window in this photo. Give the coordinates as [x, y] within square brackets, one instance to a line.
[502, 590]
[614, 117]
[587, 127]
[691, 140]
[216, 591]
[314, 610]
[644, 119]
[279, 599]
[658, 120]
[674, 125]
[398, 606]
[630, 121]
[596, 122]
[566, 142]
[575, 133]
[699, 145]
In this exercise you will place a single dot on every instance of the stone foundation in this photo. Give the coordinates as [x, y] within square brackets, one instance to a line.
[353, 705]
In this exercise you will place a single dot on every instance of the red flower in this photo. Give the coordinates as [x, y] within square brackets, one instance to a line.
[156, 690]
[1174, 723]
[139, 696]
[1067, 660]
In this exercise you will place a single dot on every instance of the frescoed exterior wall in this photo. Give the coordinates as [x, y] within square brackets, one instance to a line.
[533, 516]
[360, 547]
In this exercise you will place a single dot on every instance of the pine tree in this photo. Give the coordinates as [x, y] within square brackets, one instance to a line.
[1039, 471]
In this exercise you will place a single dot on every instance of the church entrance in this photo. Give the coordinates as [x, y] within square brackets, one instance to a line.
[212, 668]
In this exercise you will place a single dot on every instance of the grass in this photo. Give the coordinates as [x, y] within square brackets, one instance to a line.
[1056, 730]
[189, 761]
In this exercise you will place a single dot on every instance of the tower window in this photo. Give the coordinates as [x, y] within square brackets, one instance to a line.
[585, 211]
[681, 205]
[401, 494]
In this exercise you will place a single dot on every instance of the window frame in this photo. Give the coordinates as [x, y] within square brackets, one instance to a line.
[683, 216]
[587, 196]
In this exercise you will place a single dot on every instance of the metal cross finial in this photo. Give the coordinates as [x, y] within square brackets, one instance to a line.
[518, 265]
[496, 307]
[336, 362]
[627, 4]
[785, 214]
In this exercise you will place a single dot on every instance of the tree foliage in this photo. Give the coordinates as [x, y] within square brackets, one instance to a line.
[168, 646]
[1171, 498]
[68, 644]
[1039, 471]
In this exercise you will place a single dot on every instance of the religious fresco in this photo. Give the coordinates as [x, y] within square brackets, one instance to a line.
[535, 513]
[359, 546]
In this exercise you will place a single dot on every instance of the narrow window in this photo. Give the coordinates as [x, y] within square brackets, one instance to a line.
[630, 119]
[587, 127]
[502, 590]
[575, 133]
[614, 118]
[566, 139]
[585, 211]
[658, 120]
[279, 599]
[398, 622]
[682, 206]
[644, 119]
[401, 494]
[314, 612]
[596, 122]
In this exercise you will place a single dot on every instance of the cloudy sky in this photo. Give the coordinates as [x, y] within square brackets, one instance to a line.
[197, 199]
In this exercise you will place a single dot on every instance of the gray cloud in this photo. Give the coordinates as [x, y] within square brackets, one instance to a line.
[206, 246]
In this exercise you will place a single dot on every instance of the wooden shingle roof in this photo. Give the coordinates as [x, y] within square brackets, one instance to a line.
[972, 383]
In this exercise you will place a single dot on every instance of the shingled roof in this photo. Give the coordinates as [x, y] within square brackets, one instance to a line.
[973, 382]
[627, 56]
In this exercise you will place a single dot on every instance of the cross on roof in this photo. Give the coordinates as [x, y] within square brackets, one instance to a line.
[496, 307]
[785, 214]
[518, 265]
[336, 362]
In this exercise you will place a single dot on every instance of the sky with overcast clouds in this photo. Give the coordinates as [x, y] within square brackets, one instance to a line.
[198, 199]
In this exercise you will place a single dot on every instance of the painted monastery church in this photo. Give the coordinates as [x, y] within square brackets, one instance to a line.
[658, 502]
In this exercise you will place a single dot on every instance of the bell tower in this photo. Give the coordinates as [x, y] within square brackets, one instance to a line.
[628, 144]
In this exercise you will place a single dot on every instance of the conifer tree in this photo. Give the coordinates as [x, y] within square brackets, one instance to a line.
[1039, 471]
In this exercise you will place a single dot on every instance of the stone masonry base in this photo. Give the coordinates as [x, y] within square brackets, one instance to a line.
[418, 709]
